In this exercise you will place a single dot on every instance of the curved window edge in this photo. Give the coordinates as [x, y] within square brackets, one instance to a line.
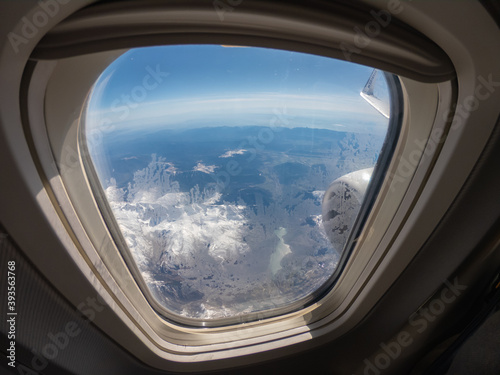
[374, 185]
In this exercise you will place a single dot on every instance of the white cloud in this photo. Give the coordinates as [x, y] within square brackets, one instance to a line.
[200, 167]
[231, 153]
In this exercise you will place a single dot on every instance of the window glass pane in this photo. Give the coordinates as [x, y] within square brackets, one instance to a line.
[215, 161]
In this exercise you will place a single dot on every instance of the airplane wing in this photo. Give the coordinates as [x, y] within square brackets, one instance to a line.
[382, 106]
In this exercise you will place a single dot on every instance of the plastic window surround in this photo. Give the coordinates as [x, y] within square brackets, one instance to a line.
[73, 194]
[72, 187]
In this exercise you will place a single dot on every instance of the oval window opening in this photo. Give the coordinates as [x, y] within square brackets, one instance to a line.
[234, 174]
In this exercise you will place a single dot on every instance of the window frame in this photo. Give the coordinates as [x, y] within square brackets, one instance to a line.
[385, 155]
[49, 143]
[114, 273]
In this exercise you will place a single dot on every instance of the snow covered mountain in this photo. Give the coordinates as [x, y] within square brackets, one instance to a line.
[209, 250]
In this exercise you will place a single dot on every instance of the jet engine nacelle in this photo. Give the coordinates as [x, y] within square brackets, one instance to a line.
[341, 204]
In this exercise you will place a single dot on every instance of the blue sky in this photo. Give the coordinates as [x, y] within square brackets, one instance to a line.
[210, 85]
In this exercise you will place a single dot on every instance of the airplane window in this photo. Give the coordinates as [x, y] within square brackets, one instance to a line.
[234, 174]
